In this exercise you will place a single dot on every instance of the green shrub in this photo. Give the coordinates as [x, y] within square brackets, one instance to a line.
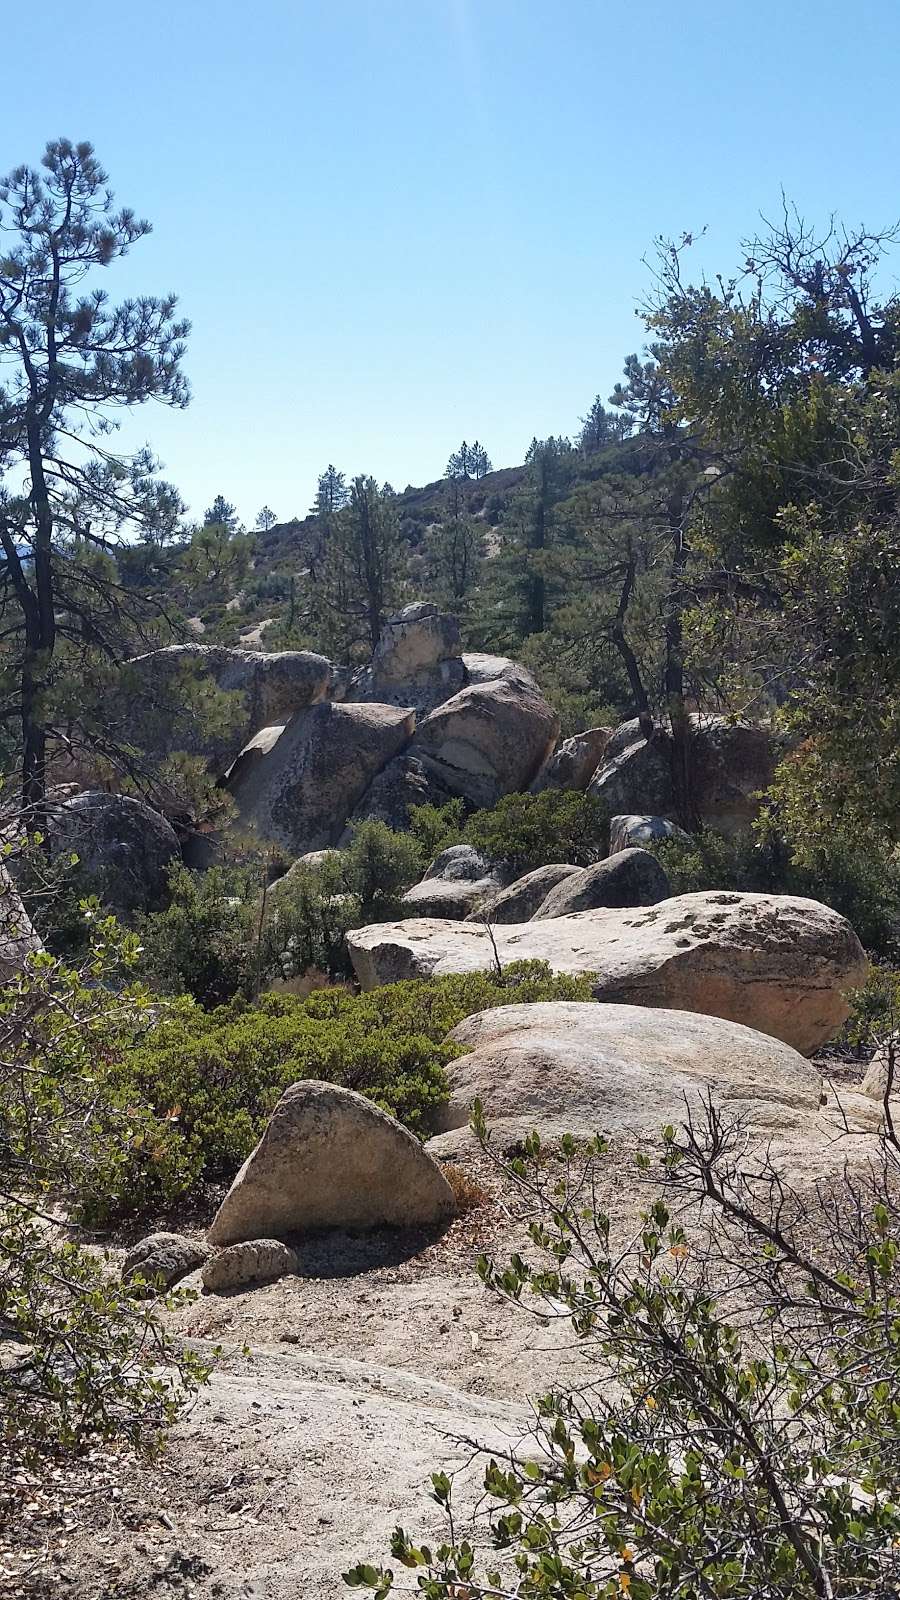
[436, 828]
[79, 1347]
[862, 885]
[305, 926]
[377, 868]
[211, 1079]
[874, 1010]
[524, 831]
[216, 940]
[203, 943]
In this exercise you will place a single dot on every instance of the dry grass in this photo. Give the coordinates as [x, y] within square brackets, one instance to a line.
[467, 1191]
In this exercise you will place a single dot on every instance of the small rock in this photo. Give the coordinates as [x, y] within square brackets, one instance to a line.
[253, 1261]
[164, 1258]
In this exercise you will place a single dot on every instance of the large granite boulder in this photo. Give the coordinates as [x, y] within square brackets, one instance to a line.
[631, 878]
[414, 641]
[519, 901]
[773, 962]
[404, 783]
[731, 763]
[457, 883]
[330, 1159]
[416, 661]
[18, 938]
[565, 1065]
[483, 668]
[295, 786]
[627, 831]
[272, 686]
[124, 848]
[489, 740]
[459, 863]
[575, 761]
[635, 773]
[454, 898]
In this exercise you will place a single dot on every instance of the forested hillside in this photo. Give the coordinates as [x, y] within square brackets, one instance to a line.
[717, 536]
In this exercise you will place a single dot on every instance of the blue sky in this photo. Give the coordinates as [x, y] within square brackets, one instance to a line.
[395, 223]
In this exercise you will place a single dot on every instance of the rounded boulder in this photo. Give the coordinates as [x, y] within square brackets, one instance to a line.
[629, 878]
[329, 1158]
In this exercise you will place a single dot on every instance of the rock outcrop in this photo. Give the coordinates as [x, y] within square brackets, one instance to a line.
[331, 1159]
[124, 848]
[773, 962]
[273, 685]
[489, 740]
[296, 785]
[631, 878]
[575, 761]
[519, 901]
[615, 1069]
[731, 763]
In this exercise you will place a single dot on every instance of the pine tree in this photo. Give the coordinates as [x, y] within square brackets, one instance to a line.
[66, 358]
[332, 493]
[221, 514]
[266, 519]
[460, 463]
[356, 580]
[479, 461]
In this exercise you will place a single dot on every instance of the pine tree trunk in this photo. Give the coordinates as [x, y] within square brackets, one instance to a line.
[682, 762]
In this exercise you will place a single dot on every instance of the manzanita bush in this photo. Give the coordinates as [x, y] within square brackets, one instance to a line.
[84, 1355]
[740, 1435]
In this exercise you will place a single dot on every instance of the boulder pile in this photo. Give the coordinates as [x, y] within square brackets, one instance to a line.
[313, 749]
[731, 764]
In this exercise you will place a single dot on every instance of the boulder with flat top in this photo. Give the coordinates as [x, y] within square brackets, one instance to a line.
[778, 963]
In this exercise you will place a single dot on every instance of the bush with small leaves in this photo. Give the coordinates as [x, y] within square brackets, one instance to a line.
[524, 831]
[83, 1355]
[228, 932]
[376, 869]
[210, 1080]
[740, 1434]
[203, 942]
[436, 828]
